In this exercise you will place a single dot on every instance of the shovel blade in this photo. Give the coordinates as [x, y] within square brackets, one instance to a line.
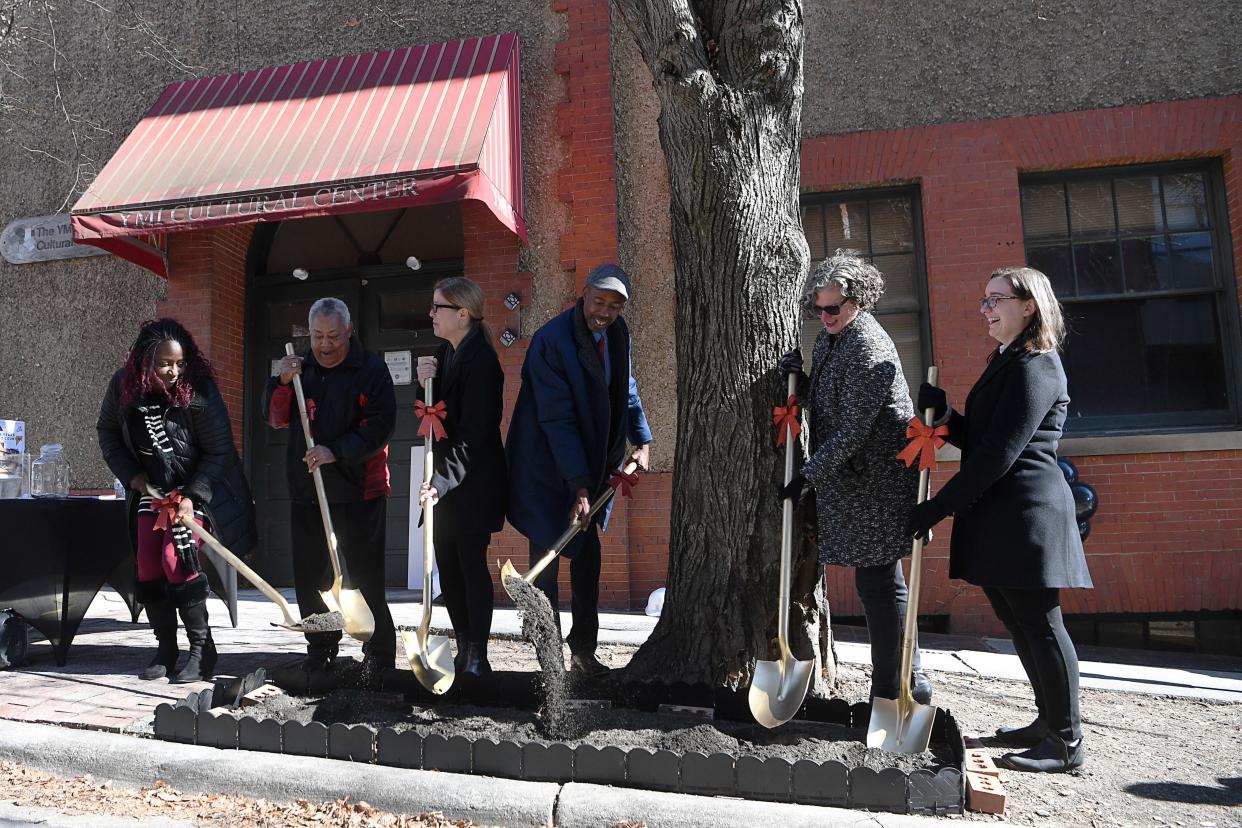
[507, 571]
[359, 622]
[900, 725]
[778, 690]
[431, 659]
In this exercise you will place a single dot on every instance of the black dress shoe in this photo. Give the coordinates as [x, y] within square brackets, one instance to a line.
[1052, 755]
[586, 664]
[921, 687]
[318, 662]
[1028, 735]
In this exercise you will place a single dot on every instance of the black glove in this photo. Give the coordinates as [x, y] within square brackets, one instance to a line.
[793, 489]
[931, 397]
[923, 517]
[790, 363]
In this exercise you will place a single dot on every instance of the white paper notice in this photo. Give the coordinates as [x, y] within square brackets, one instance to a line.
[400, 365]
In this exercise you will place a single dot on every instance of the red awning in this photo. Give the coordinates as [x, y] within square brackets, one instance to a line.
[407, 127]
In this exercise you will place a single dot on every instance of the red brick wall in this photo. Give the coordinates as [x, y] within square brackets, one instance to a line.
[1168, 533]
[207, 293]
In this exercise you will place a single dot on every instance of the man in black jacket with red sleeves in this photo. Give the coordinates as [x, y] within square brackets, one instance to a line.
[353, 411]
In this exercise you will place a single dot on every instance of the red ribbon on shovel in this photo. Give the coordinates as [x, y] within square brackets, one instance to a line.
[924, 440]
[431, 419]
[786, 419]
[626, 482]
[165, 510]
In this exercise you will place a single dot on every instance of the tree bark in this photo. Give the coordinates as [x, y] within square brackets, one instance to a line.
[728, 74]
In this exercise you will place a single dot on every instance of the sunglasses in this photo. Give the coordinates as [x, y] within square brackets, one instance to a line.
[815, 311]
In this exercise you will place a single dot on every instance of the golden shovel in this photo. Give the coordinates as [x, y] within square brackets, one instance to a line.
[902, 725]
[359, 622]
[507, 569]
[323, 622]
[778, 688]
[430, 657]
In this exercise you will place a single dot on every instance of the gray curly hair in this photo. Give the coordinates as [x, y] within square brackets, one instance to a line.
[853, 275]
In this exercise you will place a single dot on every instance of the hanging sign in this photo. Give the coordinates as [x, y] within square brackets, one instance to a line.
[42, 239]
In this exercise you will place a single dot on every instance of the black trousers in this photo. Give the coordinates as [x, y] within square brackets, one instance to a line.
[882, 590]
[466, 585]
[1033, 619]
[359, 531]
[584, 590]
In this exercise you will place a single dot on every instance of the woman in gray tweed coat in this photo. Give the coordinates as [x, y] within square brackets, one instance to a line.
[859, 407]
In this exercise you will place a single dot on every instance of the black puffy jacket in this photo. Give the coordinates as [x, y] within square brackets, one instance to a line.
[205, 461]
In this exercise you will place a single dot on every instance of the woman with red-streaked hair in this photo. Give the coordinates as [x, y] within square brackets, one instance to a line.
[164, 430]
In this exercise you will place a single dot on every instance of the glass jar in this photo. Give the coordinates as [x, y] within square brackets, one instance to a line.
[49, 474]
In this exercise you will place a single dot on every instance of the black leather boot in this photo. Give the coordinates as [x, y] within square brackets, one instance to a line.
[475, 662]
[1052, 755]
[163, 618]
[191, 601]
[1028, 735]
[459, 660]
[920, 687]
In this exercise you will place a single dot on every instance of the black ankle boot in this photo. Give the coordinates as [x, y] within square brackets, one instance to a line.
[475, 662]
[1052, 755]
[1028, 735]
[920, 687]
[163, 618]
[459, 660]
[191, 600]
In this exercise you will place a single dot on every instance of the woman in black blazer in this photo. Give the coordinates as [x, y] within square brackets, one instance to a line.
[1014, 530]
[469, 485]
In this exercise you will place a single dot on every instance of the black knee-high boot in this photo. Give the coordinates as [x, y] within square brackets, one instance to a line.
[163, 618]
[191, 601]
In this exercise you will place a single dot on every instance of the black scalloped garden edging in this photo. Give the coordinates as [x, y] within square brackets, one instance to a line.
[719, 774]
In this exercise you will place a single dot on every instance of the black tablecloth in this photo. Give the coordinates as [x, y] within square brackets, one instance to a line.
[55, 554]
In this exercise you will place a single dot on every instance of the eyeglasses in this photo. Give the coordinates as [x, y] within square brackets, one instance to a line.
[819, 310]
[436, 306]
[990, 302]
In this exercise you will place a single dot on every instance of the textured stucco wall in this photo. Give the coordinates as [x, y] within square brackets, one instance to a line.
[881, 65]
[69, 323]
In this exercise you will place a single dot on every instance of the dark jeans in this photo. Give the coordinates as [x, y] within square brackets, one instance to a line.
[466, 585]
[584, 589]
[1033, 619]
[882, 590]
[359, 531]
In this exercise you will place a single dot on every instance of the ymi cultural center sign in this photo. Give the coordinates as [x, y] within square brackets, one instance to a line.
[42, 239]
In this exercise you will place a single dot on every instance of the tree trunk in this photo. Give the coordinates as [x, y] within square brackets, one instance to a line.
[729, 78]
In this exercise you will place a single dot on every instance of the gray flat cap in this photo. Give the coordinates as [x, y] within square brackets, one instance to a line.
[609, 277]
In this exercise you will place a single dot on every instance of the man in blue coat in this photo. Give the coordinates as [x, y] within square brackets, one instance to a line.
[577, 409]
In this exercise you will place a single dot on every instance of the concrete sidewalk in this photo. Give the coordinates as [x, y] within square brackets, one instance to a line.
[97, 697]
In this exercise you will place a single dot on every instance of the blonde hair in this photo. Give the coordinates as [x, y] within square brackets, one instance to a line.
[1046, 330]
[460, 291]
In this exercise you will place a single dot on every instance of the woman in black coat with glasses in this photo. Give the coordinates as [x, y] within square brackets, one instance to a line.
[1015, 533]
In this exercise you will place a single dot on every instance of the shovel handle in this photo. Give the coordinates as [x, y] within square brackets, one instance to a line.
[320, 494]
[787, 516]
[429, 544]
[916, 564]
[237, 563]
[574, 528]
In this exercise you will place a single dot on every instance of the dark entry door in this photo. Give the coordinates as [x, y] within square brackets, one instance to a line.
[389, 309]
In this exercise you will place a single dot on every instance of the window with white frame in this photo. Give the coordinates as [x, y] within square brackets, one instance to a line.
[885, 227]
[1137, 258]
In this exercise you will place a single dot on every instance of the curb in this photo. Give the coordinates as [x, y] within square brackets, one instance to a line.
[131, 762]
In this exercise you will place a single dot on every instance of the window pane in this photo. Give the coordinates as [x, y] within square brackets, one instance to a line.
[900, 291]
[892, 227]
[813, 226]
[1185, 202]
[1144, 356]
[904, 328]
[405, 311]
[1147, 264]
[847, 227]
[1054, 262]
[1091, 208]
[1099, 271]
[1172, 635]
[1138, 204]
[1043, 212]
[1192, 260]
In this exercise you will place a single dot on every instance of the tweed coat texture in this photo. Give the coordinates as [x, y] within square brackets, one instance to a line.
[859, 407]
[1014, 523]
